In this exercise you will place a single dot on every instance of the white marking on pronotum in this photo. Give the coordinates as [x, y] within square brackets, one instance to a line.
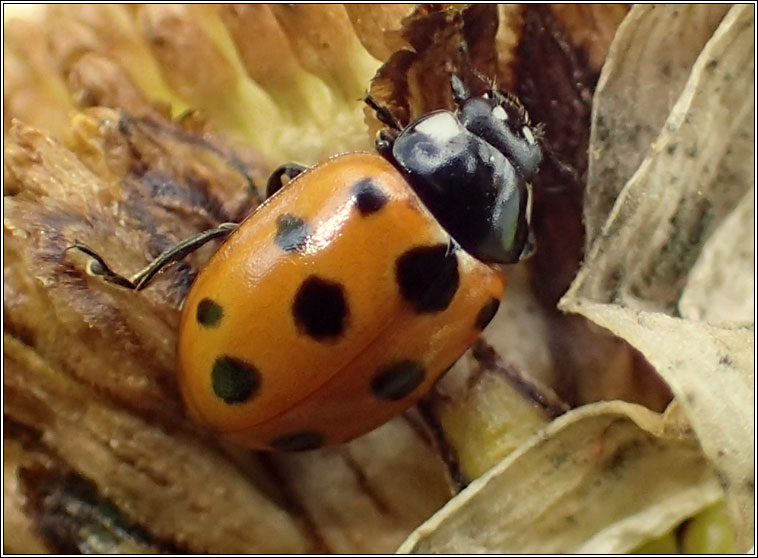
[499, 113]
[442, 126]
[528, 135]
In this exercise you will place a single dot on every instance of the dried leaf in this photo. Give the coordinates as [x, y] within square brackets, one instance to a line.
[99, 441]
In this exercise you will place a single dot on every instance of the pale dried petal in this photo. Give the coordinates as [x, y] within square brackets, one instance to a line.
[366, 496]
[326, 45]
[96, 80]
[116, 35]
[711, 372]
[577, 487]
[256, 33]
[205, 71]
[721, 286]
[32, 89]
[520, 330]
[696, 173]
[646, 70]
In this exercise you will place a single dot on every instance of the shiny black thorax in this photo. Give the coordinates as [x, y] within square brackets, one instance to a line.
[472, 168]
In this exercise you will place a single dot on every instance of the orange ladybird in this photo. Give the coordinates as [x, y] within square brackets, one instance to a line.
[342, 299]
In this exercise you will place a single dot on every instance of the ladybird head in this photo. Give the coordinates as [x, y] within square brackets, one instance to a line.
[501, 120]
[472, 168]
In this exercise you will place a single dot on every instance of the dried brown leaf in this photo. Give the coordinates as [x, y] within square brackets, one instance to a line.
[127, 457]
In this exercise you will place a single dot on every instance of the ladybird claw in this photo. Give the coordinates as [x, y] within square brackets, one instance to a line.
[98, 267]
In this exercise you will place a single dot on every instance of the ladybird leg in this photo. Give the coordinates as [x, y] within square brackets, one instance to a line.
[384, 141]
[530, 247]
[142, 278]
[290, 170]
[383, 114]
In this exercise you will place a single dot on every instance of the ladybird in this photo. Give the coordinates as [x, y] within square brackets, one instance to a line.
[341, 299]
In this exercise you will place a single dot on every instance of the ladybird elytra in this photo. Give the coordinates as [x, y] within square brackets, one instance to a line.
[341, 298]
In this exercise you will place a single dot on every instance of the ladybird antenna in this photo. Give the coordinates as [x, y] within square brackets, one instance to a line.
[460, 91]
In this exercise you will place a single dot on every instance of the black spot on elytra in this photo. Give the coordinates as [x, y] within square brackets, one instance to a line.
[396, 381]
[209, 313]
[320, 309]
[428, 277]
[301, 441]
[369, 197]
[486, 313]
[234, 380]
[291, 233]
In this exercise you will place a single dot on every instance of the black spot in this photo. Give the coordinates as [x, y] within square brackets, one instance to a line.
[487, 312]
[397, 380]
[301, 441]
[234, 380]
[209, 313]
[428, 277]
[320, 308]
[291, 233]
[369, 198]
